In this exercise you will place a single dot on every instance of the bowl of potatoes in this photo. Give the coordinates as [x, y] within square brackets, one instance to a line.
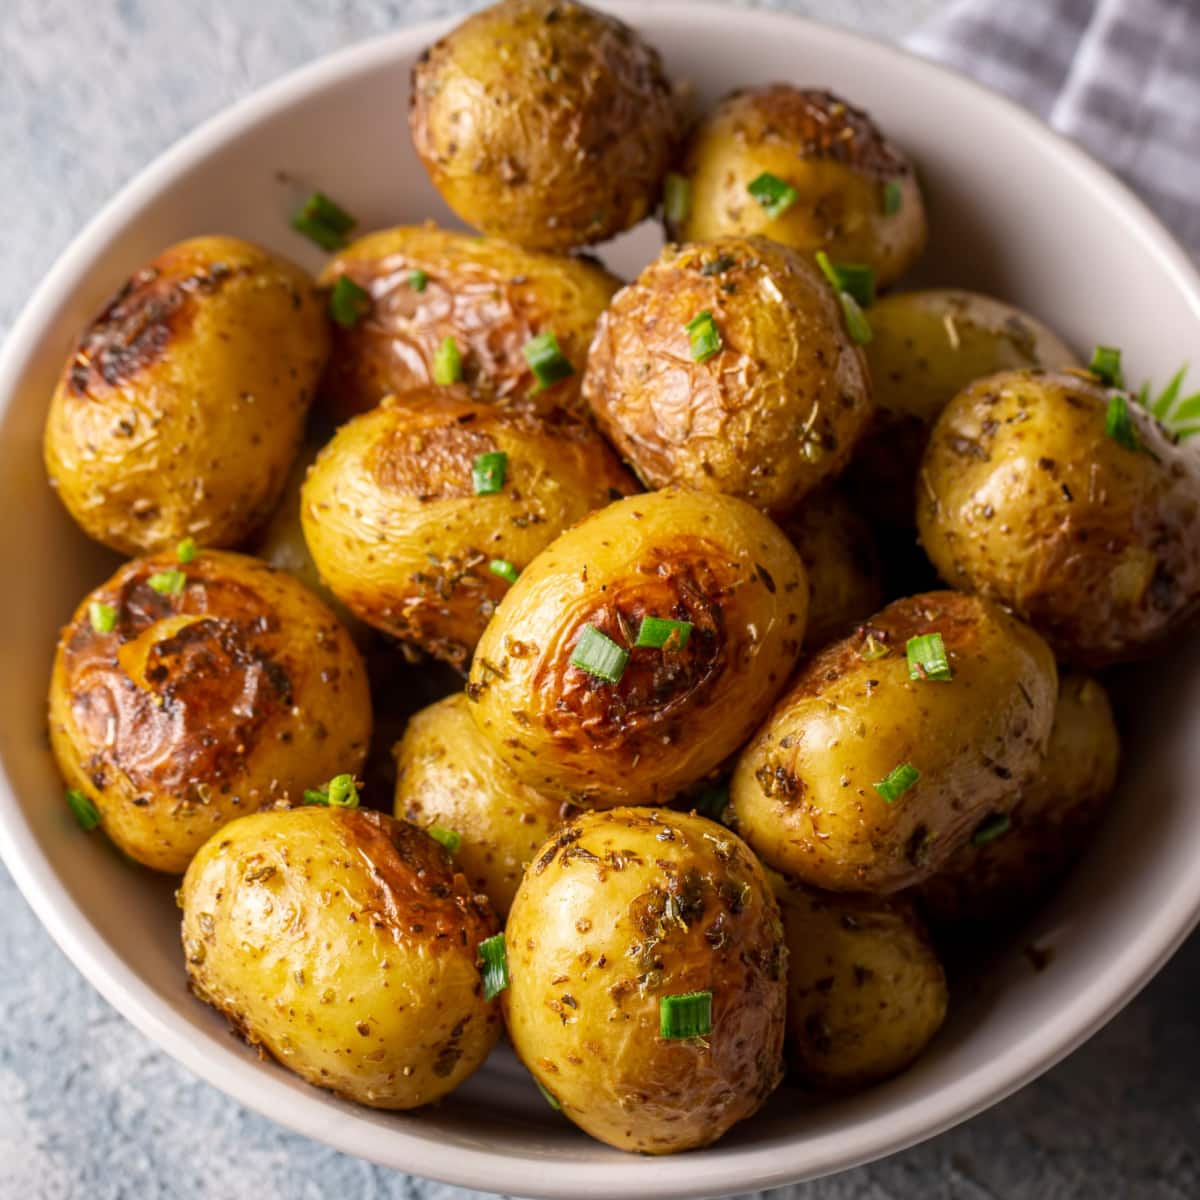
[623, 614]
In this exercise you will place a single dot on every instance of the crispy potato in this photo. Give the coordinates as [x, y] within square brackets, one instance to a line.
[806, 791]
[448, 777]
[398, 534]
[675, 712]
[344, 944]
[856, 194]
[619, 911]
[544, 122]
[491, 297]
[1010, 865]
[866, 991]
[236, 691]
[1025, 499]
[771, 414]
[182, 404]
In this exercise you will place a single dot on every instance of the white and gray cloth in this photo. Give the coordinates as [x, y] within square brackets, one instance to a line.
[1121, 77]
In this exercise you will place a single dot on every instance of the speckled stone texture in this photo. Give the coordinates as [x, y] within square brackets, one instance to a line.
[90, 90]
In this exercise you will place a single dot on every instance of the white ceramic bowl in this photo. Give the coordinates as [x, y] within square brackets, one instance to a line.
[1015, 210]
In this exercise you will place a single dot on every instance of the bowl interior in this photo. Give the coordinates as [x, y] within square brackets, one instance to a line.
[1013, 211]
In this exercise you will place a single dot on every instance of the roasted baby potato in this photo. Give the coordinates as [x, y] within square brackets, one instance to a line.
[185, 695]
[182, 404]
[403, 536]
[872, 770]
[1088, 535]
[727, 367]
[866, 991]
[853, 193]
[492, 298]
[544, 122]
[622, 913]
[1013, 860]
[926, 347]
[344, 944]
[450, 780]
[718, 598]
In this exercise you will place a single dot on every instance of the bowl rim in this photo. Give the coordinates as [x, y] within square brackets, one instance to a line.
[312, 1114]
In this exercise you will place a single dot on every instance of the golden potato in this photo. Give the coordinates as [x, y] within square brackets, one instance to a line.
[427, 284]
[1090, 537]
[449, 778]
[866, 991]
[657, 717]
[856, 195]
[344, 944]
[184, 696]
[767, 416]
[544, 122]
[182, 404]
[1013, 860]
[398, 533]
[864, 779]
[622, 912]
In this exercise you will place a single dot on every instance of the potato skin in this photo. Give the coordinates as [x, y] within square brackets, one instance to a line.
[490, 296]
[544, 122]
[676, 713]
[926, 347]
[1002, 880]
[392, 521]
[344, 944]
[200, 707]
[182, 404]
[866, 992]
[448, 776]
[620, 909]
[767, 418]
[1024, 499]
[802, 793]
[833, 155]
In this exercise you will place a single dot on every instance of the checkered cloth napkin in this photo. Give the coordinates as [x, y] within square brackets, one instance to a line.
[1121, 77]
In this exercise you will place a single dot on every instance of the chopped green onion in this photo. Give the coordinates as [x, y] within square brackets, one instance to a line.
[856, 322]
[340, 792]
[1118, 424]
[418, 280]
[704, 336]
[488, 472]
[451, 839]
[324, 222]
[186, 551]
[494, 954]
[170, 582]
[103, 616]
[1106, 366]
[898, 781]
[677, 198]
[447, 362]
[927, 658]
[990, 828]
[857, 279]
[348, 302]
[893, 197]
[599, 655]
[658, 631]
[505, 569]
[774, 194]
[686, 1016]
[550, 1098]
[548, 362]
[712, 802]
[85, 811]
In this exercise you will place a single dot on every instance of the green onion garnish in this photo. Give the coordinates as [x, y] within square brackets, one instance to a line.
[451, 839]
[550, 1098]
[1118, 424]
[599, 655]
[495, 965]
[898, 781]
[704, 336]
[418, 280]
[170, 582]
[927, 658]
[447, 362]
[488, 472]
[348, 302]
[340, 792]
[103, 616]
[658, 631]
[548, 362]
[856, 322]
[505, 569]
[677, 198]
[893, 197]
[856, 279]
[324, 222]
[686, 1016]
[1106, 366]
[186, 551]
[85, 811]
[990, 828]
[775, 196]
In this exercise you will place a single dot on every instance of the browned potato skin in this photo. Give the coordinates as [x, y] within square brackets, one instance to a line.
[449, 777]
[1024, 499]
[490, 296]
[770, 416]
[833, 155]
[866, 992]
[1002, 880]
[802, 794]
[677, 712]
[182, 404]
[198, 708]
[544, 122]
[392, 521]
[620, 909]
[344, 944]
